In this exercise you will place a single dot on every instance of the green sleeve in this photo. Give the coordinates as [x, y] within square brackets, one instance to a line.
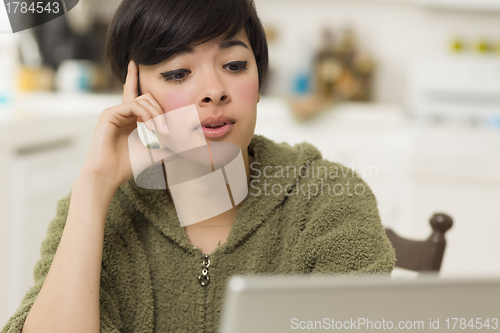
[345, 233]
[110, 320]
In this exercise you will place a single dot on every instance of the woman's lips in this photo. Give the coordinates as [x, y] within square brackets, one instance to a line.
[217, 132]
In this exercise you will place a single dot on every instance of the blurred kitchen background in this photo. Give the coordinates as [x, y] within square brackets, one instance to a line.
[406, 92]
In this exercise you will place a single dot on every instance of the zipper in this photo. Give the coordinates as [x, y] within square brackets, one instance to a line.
[204, 279]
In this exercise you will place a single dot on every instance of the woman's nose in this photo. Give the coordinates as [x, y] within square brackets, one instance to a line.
[214, 91]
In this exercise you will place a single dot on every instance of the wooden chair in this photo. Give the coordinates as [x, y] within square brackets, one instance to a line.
[422, 256]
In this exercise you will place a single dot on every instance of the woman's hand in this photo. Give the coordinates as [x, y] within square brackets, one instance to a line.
[108, 157]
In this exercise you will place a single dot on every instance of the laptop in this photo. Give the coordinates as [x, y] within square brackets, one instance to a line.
[323, 303]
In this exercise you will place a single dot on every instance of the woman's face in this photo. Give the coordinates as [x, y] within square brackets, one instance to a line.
[220, 78]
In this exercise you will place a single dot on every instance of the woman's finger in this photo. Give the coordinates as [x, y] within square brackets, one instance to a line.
[153, 101]
[156, 120]
[131, 86]
[159, 119]
[130, 93]
[127, 113]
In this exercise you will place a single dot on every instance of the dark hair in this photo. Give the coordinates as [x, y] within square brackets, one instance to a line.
[150, 31]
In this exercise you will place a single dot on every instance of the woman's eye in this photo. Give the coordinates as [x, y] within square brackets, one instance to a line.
[236, 66]
[177, 75]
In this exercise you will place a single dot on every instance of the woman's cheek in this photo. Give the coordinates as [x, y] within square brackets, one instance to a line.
[248, 91]
[173, 100]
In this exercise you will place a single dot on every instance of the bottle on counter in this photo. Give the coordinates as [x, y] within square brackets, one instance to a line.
[457, 45]
[328, 66]
[483, 46]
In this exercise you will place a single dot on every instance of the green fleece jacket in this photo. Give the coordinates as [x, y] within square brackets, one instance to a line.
[303, 214]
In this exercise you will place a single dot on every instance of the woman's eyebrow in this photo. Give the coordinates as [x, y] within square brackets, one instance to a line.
[229, 43]
[223, 45]
[183, 50]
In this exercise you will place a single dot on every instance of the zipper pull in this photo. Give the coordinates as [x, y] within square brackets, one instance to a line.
[204, 279]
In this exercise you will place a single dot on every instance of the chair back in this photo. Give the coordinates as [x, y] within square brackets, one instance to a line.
[422, 256]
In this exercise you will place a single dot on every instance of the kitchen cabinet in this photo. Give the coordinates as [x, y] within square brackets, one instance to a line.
[486, 6]
[43, 145]
[457, 170]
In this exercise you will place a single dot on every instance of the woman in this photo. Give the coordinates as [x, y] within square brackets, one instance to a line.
[117, 260]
